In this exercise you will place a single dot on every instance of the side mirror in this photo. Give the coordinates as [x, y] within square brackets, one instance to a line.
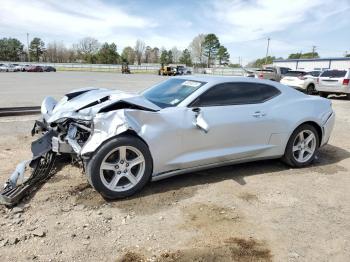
[199, 120]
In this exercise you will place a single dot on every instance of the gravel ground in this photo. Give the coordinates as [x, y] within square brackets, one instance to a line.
[260, 211]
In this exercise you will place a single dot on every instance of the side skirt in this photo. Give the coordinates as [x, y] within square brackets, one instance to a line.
[176, 172]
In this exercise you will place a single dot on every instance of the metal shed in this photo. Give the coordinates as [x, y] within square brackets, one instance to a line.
[315, 64]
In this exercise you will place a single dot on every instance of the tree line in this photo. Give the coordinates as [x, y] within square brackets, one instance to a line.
[204, 50]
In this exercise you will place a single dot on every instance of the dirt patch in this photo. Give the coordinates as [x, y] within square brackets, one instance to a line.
[231, 249]
[79, 189]
[131, 257]
[249, 197]
[210, 223]
[84, 194]
[158, 196]
[209, 217]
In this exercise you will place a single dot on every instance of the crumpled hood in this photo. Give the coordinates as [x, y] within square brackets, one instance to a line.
[86, 103]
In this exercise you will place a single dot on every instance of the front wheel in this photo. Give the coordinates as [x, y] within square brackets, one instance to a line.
[302, 146]
[120, 168]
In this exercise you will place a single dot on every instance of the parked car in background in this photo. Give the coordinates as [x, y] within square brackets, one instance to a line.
[7, 68]
[35, 69]
[181, 70]
[272, 73]
[49, 69]
[25, 68]
[334, 82]
[301, 80]
[248, 73]
[18, 67]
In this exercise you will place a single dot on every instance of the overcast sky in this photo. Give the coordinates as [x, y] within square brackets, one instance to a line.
[241, 25]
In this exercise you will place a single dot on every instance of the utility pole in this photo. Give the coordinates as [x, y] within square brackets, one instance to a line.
[28, 47]
[267, 49]
[313, 51]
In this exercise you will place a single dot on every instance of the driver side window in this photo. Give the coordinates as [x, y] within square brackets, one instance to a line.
[236, 94]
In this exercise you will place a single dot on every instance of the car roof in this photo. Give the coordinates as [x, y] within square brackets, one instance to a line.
[214, 80]
[222, 79]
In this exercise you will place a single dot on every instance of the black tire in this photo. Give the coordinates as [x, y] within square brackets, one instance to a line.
[94, 164]
[289, 157]
[348, 96]
[310, 89]
[322, 94]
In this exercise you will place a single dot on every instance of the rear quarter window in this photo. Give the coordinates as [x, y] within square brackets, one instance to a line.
[236, 94]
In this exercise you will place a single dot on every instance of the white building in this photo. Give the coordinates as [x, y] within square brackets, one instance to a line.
[315, 63]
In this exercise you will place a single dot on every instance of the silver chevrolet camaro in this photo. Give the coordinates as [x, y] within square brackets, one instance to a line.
[181, 125]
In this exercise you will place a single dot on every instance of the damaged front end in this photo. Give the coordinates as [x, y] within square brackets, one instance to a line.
[67, 128]
[65, 137]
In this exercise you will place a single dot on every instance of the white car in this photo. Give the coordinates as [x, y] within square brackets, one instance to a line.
[301, 80]
[18, 67]
[7, 68]
[334, 82]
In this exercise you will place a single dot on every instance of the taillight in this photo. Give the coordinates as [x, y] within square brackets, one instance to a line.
[318, 80]
[261, 76]
[346, 82]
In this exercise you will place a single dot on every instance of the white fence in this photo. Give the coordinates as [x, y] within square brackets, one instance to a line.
[143, 68]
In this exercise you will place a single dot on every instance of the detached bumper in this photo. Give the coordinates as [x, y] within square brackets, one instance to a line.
[41, 163]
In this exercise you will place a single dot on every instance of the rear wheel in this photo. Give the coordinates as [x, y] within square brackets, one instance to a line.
[310, 89]
[348, 96]
[120, 168]
[302, 146]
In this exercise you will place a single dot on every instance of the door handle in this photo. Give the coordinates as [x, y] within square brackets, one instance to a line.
[259, 114]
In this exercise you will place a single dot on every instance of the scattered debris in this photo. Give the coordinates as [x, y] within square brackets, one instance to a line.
[39, 233]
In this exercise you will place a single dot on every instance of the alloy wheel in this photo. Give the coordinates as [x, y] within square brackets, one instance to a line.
[304, 146]
[122, 168]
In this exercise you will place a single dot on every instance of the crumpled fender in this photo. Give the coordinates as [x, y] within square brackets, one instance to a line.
[108, 125]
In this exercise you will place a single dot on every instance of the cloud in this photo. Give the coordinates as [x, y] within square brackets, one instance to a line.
[242, 25]
[68, 18]
[249, 20]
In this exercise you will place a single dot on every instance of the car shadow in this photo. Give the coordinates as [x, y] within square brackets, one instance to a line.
[328, 156]
[162, 193]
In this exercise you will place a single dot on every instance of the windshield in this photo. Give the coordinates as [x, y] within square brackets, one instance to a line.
[171, 92]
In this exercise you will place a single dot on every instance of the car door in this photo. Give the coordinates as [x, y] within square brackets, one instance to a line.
[230, 121]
